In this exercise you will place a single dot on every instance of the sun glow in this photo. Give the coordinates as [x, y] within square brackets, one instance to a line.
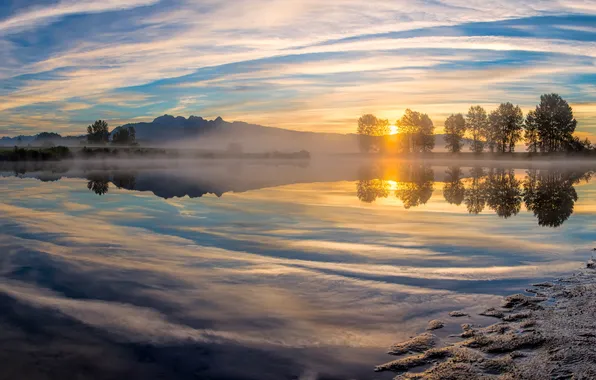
[393, 130]
[393, 185]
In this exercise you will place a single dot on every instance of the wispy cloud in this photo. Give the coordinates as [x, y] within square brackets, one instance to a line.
[259, 59]
[37, 16]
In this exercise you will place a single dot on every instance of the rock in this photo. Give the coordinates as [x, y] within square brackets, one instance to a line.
[492, 312]
[435, 324]
[517, 317]
[419, 343]
[497, 328]
[457, 314]
[591, 264]
[543, 285]
[527, 324]
[461, 354]
[468, 331]
[504, 343]
[518, 300]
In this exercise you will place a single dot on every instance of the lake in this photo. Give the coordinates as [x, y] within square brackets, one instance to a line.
[267, 270]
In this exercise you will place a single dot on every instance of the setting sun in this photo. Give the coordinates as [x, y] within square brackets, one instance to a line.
[393, 129]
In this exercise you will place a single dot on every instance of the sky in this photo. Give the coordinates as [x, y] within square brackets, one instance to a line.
[299, 64]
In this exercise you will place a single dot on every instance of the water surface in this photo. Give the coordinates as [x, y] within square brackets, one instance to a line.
[282, 270]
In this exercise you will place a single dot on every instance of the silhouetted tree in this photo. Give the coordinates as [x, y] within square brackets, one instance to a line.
[44, 137]
[475, 195]
[419, 190]
[503, 193]
[477, 126]
[505, 125]
[554, 122]
[419, 129]
[124, 136]
[455, 129]
[578, 145]
[370, 129]
[453, 190]
[550, 195]
[370, 190]
[97, 132]
[531, 133]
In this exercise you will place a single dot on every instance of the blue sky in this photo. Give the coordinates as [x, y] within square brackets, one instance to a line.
[305, 65]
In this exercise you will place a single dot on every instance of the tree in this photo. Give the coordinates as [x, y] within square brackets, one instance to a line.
[505, 127]
[419, 129]
[98, 132]
[370, 129]
[578, 145]
[531, 133]
[554, 122]
[124, 136]
[477, 124]
[455, 128]
[454, 190]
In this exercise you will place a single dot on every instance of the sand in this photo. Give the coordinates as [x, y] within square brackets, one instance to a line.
[548, 335]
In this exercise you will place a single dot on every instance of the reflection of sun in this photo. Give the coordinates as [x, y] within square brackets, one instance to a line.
[392, 185]
[393, 130]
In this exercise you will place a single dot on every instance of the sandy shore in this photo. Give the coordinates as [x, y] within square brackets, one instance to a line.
[548, 335]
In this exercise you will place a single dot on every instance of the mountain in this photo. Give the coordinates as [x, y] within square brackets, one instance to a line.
[196, 132]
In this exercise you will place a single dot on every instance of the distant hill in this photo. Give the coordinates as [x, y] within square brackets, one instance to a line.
[42, 139]
[198, 133]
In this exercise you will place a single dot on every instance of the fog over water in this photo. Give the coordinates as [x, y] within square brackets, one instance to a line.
[263, 269]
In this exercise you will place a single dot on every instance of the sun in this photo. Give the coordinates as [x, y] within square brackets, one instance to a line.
[393, 130]
[393, 185]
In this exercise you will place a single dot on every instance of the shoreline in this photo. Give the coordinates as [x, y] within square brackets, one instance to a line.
[548, 335]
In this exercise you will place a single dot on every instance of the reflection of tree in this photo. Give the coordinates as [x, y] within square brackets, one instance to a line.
[550, 196]
[98, 183]
[503, 192]
[475, 196]
[369, 190]
[454, 190]
[419, 190]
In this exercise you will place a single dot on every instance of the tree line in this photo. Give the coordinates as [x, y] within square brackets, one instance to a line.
[548, 128]
[549, 194]
[98, 133]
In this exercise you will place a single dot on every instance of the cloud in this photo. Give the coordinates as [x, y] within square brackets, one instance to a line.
[262, 59]
[35, 17]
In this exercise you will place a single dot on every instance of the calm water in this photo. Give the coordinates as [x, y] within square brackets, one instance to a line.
[265, 271]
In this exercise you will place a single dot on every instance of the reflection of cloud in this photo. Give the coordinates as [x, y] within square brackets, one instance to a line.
[313, 269]
[71, 206]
